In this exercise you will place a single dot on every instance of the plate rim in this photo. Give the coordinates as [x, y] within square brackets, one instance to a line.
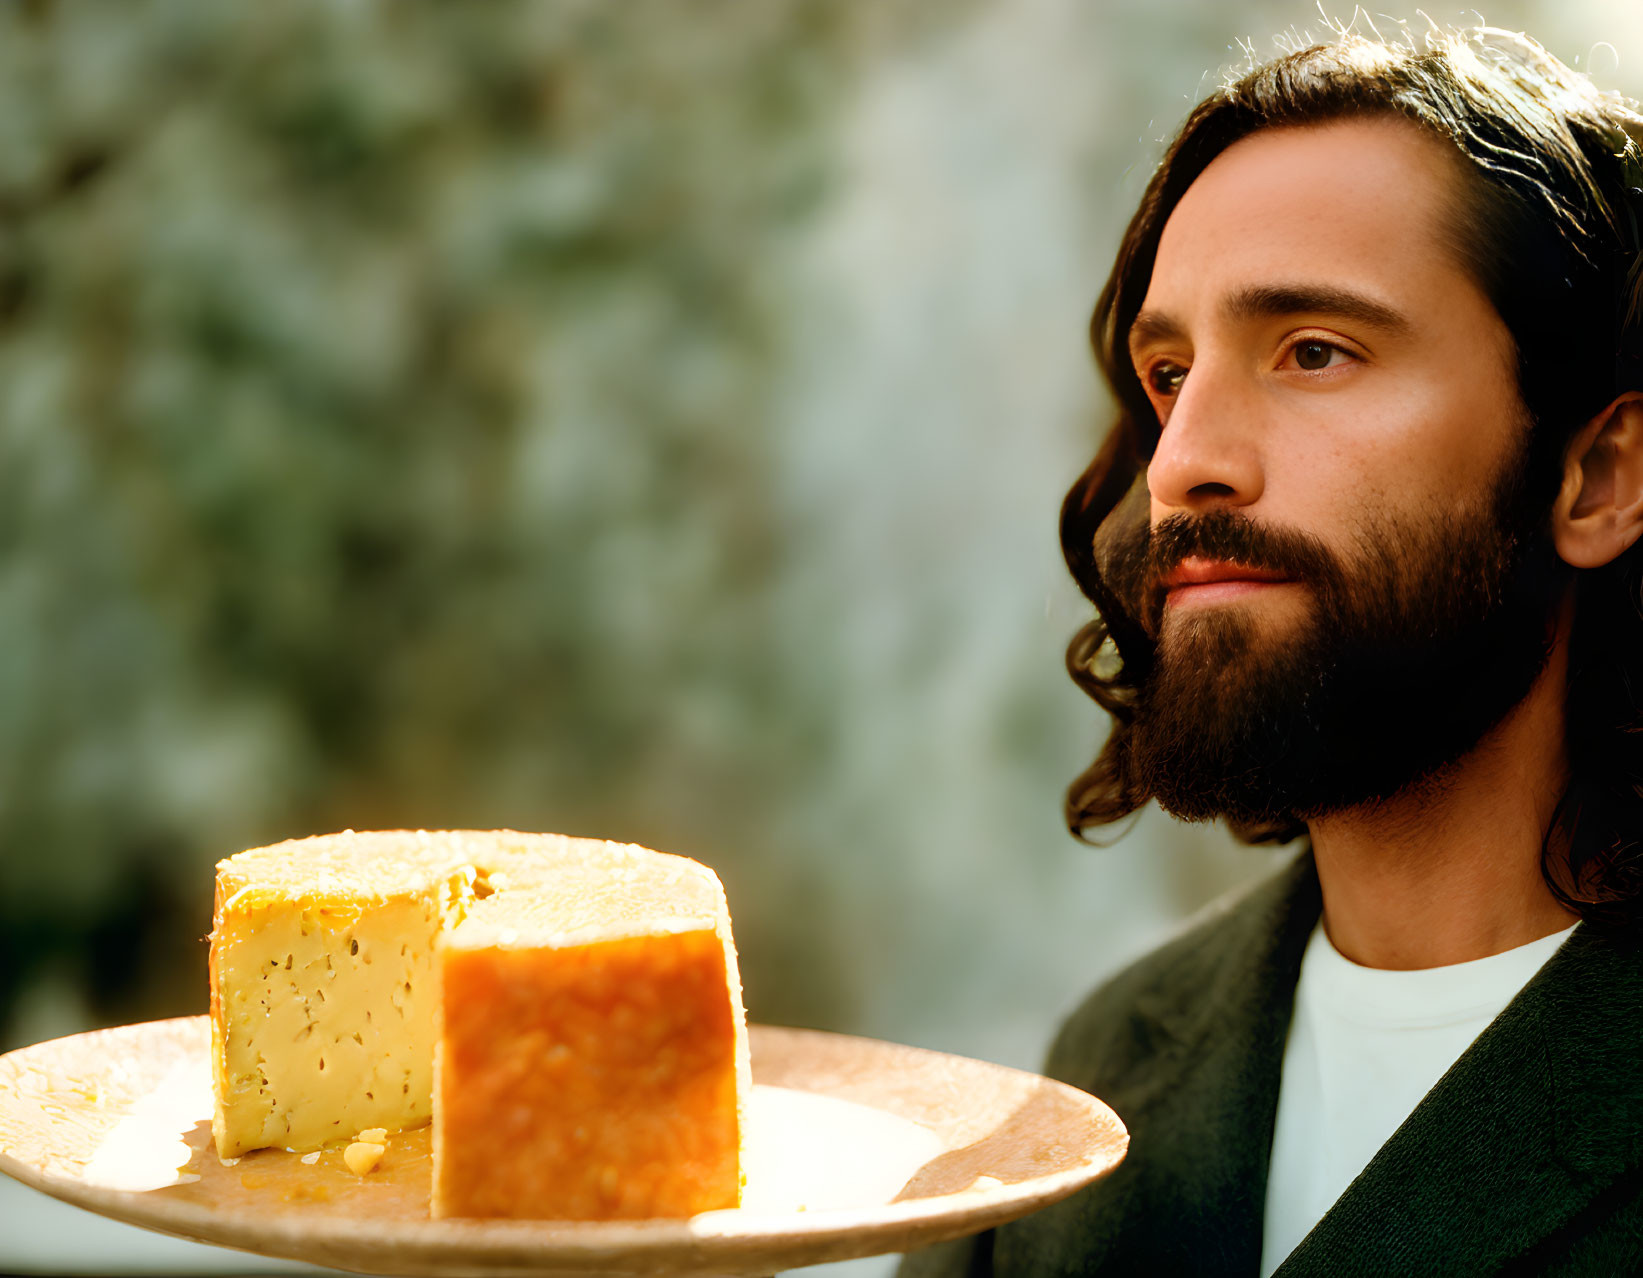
[713, 1237]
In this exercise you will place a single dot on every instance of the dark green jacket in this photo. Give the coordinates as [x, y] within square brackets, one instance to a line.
[1525, 1158]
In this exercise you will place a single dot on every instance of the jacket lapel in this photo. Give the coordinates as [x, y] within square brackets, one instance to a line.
[1230, 1027]
[1191, 1064]
[1541, 1113]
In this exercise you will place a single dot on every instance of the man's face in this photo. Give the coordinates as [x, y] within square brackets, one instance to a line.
[1342, 588]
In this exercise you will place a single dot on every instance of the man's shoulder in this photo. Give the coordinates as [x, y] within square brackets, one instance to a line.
[1161, 1000]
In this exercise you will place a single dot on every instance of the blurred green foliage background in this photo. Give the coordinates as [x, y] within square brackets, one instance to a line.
[385, 402]
[641, 420]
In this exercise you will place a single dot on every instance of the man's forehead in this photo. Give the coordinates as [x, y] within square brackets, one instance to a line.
[1356, 212]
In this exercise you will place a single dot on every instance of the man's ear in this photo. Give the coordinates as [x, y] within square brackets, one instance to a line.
[1599, 509]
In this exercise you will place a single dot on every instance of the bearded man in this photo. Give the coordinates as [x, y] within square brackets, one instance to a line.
[1363, 547]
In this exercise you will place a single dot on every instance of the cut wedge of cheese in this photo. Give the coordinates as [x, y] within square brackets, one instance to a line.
[567, 1011]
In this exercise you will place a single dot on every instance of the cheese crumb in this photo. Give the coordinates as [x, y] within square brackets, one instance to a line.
[985, 1183]
[312, 1158]
[362, 1156]
[374, 1136]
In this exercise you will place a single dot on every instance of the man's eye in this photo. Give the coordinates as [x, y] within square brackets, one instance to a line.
[1166, 379]
[1313, 356]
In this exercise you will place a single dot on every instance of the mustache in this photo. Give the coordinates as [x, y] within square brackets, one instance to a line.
[1220, 534]
[1136, 558]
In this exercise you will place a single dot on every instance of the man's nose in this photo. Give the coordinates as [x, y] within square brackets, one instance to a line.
[1208, 452]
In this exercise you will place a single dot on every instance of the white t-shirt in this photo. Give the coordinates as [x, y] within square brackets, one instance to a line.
[1365, 1045]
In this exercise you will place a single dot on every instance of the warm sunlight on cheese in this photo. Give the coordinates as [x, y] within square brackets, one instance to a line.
[568, 1011]
[323, 998]
[590, 1064]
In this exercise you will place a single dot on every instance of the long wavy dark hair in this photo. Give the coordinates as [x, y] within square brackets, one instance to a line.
[1547, 223]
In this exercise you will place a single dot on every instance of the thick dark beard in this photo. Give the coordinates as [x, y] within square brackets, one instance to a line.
[1407, 659]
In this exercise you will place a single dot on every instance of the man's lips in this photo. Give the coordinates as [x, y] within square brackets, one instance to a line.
[1199, 580]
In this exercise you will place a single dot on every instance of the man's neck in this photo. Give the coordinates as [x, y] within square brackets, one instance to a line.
[1451, 871]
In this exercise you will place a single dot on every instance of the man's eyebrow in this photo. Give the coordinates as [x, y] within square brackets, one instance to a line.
[1152, 326]
[1261, 301]
[1268, 300]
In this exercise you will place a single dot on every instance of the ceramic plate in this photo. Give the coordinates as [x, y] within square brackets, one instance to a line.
[855, 1148]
